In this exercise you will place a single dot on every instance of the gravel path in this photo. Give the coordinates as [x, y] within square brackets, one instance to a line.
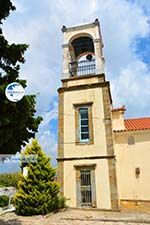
[78, 217]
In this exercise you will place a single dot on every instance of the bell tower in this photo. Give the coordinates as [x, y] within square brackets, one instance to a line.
[82, 50]
[86, 160]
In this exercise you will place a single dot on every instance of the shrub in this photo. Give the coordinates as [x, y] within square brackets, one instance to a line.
[4, 200]
[9, 179]
[38, 193]
[62, 202]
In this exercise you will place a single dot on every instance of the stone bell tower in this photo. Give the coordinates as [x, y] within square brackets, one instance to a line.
[86, 160]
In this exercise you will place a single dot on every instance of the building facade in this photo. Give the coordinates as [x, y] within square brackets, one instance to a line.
[89, 137]
[132, 150]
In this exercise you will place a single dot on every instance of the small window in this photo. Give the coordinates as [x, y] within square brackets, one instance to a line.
[84, 124]
[131, 140]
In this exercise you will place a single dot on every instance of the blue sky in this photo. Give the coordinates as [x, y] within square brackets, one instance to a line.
[125, 26]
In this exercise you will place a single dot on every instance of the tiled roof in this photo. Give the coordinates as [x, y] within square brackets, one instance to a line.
[119, 109]
[136, 124]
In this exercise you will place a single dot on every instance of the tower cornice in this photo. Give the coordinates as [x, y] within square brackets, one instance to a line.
[86, 86]
[80, 27]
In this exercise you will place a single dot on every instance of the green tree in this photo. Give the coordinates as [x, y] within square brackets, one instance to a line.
[17, 121]
[9, 179]
[38, 193]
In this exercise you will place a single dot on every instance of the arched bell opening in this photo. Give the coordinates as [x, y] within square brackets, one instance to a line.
[82, 56]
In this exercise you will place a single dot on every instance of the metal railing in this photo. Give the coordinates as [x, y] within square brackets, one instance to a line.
[78, 68]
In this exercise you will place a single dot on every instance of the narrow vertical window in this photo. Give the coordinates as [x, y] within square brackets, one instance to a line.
[84, 124]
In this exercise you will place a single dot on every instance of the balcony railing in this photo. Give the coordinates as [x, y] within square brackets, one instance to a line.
[78, 68]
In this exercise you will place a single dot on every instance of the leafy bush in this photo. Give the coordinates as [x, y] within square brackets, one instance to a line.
[4, 200]
[38, 193]
[62, 202]
[9, 179]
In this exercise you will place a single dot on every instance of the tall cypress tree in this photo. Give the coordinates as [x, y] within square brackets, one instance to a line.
[38, 192]
[17, 121]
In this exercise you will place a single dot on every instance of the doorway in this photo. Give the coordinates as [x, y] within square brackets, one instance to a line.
[85, 186]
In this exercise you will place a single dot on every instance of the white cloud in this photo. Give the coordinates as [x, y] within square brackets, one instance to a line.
[48, 138]
[131, 88]
[121, 23]
[48, 116]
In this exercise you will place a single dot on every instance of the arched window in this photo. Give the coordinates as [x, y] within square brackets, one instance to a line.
[131, 140]
[82, 56]
[82, 45]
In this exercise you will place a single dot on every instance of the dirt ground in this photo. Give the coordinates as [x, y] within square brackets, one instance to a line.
[79, 217]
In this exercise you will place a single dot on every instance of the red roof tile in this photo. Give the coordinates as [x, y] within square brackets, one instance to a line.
[137, 124]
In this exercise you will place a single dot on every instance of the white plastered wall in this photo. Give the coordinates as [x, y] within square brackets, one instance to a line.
[101, 180]
[130, 157]
[84, 96]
